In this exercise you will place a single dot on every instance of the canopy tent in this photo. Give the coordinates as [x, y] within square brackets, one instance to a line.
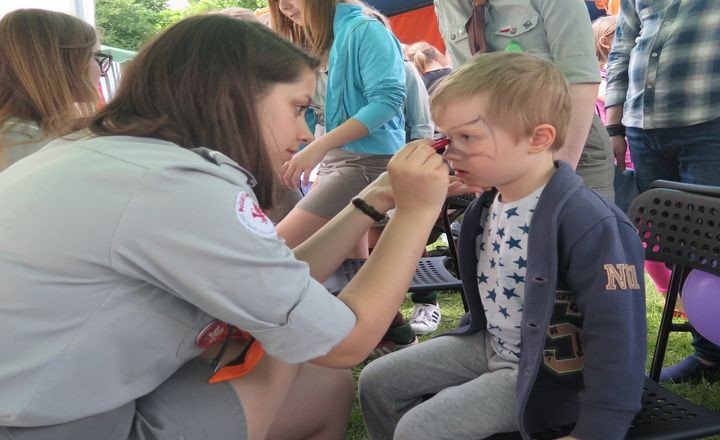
[84, 9]
[412, 20]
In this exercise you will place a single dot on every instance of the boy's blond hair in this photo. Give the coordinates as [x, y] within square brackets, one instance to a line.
[523, 92]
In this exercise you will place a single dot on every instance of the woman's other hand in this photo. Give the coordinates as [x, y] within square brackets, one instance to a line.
[301, 165]
[457, 187]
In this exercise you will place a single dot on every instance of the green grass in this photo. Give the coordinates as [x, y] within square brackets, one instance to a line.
[704, 393]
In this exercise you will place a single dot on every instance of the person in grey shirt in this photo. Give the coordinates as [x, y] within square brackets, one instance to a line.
[558, 31]
[122, 246]
[48, 79]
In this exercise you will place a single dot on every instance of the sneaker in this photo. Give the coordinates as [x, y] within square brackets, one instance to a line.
[387, 346]
[688, 370]
[425, 318]
[396, 338]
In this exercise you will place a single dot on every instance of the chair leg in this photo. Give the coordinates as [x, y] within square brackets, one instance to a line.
[452, 249]
[676, 279]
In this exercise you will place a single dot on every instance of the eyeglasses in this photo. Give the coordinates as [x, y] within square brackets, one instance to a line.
[104, 60]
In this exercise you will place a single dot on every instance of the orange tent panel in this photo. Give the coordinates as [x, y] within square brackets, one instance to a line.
[418, 25]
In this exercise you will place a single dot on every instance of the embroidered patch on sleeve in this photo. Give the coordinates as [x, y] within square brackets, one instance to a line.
[621, 276]
[252, 217]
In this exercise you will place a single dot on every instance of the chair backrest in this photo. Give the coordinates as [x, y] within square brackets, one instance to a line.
[430, 275]
[679, 224]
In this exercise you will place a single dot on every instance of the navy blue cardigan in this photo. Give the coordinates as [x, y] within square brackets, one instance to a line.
[583, 325]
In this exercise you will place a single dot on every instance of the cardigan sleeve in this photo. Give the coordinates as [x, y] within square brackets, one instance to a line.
[604, 269]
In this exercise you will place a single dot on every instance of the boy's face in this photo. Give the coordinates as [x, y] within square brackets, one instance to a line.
[485, 155]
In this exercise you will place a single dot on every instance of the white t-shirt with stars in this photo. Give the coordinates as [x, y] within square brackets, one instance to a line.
[502, 263]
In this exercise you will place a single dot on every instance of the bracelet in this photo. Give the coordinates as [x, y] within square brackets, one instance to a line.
[368, 210]
[615, 130]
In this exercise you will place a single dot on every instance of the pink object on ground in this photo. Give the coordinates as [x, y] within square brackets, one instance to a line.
[660, 275]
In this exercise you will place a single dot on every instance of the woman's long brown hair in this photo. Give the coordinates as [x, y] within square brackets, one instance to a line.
[44, 59]
[197, 85]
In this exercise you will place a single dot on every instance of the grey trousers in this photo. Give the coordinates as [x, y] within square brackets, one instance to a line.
[183, 407]
[474, 391]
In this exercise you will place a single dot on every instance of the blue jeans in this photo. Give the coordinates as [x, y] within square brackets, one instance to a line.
[682, 154]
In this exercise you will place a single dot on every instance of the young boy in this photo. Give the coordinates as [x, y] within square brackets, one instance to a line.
[552, 273]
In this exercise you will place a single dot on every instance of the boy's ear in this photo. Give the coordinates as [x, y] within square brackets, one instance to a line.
[543, 137]
[605, 42]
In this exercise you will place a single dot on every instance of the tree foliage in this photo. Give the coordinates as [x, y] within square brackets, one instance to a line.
[128, 24]
[202, 6]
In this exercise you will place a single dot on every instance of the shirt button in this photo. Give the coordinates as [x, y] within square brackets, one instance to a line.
[649, 86]
[453, 37]
[667, 23]
[654, 54]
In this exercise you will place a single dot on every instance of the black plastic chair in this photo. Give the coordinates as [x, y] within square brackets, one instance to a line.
[430, 275]
[664, 416]
[679, 224]
[452, 210]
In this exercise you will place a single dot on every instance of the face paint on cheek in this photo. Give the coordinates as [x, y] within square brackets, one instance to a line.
[492, 152]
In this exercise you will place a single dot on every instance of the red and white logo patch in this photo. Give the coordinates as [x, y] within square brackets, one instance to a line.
[252, 217]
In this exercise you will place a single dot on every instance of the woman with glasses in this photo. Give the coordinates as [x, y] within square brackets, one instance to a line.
[48, 79]
[104, 61]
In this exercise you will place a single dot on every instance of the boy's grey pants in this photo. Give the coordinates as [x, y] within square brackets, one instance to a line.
[474, 391]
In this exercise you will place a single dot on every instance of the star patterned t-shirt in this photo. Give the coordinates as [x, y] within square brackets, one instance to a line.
[502, 263]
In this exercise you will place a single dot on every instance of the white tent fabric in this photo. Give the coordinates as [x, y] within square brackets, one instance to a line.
[84, 9]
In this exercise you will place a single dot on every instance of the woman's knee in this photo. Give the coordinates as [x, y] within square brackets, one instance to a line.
[341, 385]
[317, 407]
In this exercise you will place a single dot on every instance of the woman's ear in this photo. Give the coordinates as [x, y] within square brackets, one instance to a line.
[543, 137]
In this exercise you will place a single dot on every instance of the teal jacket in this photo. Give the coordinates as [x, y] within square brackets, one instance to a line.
[366, 81]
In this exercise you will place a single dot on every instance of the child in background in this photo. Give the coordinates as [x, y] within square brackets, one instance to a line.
[604, 33]
[428, 60]
[364, 120]
[552, 272]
